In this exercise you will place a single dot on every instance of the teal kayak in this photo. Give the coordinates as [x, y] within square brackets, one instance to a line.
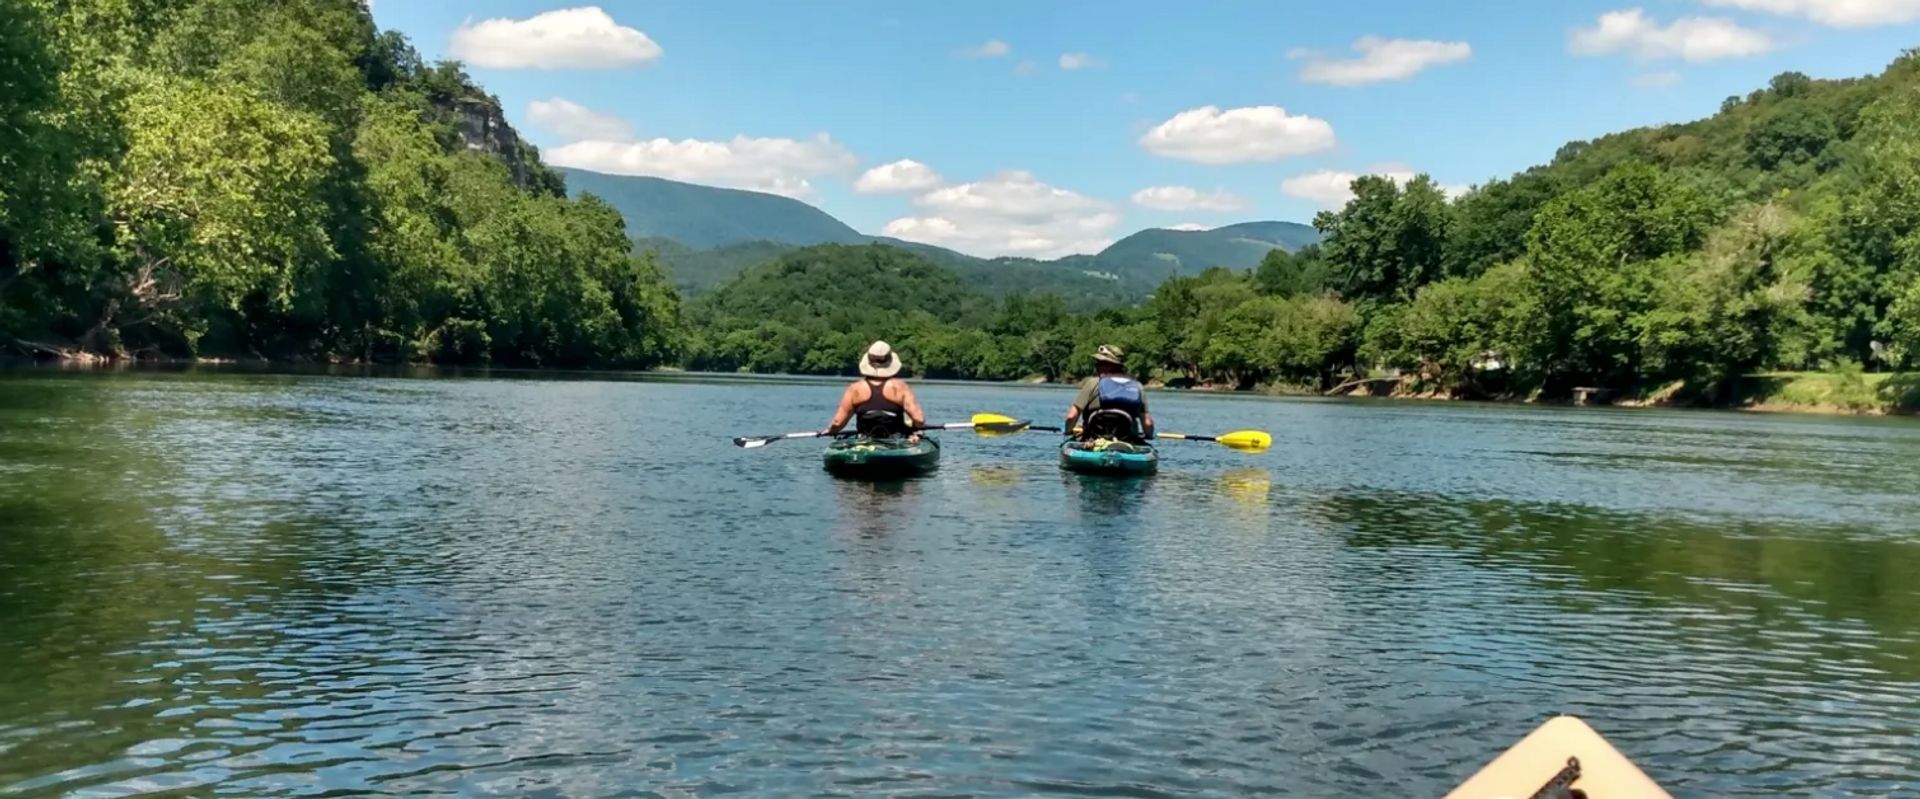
[882, 458]
[1107, 456]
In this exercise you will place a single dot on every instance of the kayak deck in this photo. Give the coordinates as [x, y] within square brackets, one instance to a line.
[882, 457]
[1109, 456]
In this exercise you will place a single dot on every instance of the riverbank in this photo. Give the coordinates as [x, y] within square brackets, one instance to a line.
[1829, 393]
[1848, 392]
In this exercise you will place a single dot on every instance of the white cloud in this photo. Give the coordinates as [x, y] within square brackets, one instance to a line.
[1835, 13]
[991, 48]
[1190, 226]
[1380, 60]
[1330, 188]
[1238, 135]
[1692, 39]
[1073, 61]
[571, 38]
[1011, 213]
[575, 122]
[904, 175]
[1656, 80]
[1024, 68]
[774, 165]
[1187, 198]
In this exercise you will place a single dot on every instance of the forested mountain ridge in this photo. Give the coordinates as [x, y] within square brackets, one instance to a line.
[278, 178]
[1783, 232]
[704, 235]
[708, 217]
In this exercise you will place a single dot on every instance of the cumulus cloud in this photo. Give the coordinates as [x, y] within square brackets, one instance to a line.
[1331, 188]
[1691, 39]
[575, 122]
[1238, 135]
[1073, 61]
[1187, 198]
[571, 38]
[1010, 213]
[1835, 13]
[774, 165]
[991, 48]
[1024, 68]
[904, 175]
[1380, 60]
[1189, 226]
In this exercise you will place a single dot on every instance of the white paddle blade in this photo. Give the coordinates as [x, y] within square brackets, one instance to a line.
[750, 443]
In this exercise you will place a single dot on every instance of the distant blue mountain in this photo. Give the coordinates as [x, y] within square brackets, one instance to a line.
[705, 235]
[703, 217]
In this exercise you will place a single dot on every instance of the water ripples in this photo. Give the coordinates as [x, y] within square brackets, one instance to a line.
[327, 587]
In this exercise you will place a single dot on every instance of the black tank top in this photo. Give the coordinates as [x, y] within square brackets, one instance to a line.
[877, 399]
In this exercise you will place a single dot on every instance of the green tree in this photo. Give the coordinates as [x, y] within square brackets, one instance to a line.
[216, 198]
[1387, 242]
[1285, 274]
[1590, 253]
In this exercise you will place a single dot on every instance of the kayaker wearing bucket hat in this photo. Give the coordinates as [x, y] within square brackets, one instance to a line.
[1110, 404]
[881, 405]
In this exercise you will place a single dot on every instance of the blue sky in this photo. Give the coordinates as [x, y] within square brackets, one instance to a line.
[1017, 154]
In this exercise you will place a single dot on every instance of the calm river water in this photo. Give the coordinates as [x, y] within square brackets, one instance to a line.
[283, 585]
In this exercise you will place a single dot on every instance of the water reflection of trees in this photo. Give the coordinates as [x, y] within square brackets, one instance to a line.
[1776, 571]
[137, 604]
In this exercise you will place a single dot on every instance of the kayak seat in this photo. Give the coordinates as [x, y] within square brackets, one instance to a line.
[882, 424]
[1111, 423]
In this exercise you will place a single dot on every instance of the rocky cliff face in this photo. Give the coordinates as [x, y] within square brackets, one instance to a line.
[482, 127]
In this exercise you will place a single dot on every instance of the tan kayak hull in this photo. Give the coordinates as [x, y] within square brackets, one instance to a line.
[1531, 763]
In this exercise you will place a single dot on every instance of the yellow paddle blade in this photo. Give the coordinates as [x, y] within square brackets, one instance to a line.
[993, 424]
[1247, 440]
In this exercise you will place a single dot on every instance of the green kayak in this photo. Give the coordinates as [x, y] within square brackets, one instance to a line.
[882, 458]
[1108, 456]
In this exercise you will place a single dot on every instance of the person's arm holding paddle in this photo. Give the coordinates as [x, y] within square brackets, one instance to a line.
[1089, 391]
[844, 413]
[910, 404]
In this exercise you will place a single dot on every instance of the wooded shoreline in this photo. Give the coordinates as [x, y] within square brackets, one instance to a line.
[1833, 393]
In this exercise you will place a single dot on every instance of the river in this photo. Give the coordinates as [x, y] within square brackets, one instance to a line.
[299, 585]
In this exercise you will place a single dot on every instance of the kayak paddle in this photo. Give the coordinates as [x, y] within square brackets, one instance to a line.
[988, 424]
[983, 423]
[756, 442]
[993, 424]
[1243, 440]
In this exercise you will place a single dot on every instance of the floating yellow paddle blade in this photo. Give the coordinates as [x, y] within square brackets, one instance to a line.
[1247, 440]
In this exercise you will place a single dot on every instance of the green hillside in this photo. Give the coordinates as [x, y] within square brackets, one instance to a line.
[704, 235]
[1156, 254]
[281, 179]
[1783, 232]
[704, 217]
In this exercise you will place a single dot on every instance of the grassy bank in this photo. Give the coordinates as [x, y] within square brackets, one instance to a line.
[1848, 391]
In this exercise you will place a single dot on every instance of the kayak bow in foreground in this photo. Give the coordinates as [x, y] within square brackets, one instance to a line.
[1562, 759]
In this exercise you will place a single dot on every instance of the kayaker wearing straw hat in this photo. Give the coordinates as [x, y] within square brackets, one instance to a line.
[1111, 404]
[881, 405]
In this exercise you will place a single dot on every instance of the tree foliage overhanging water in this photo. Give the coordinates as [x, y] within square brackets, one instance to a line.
[284, 180]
